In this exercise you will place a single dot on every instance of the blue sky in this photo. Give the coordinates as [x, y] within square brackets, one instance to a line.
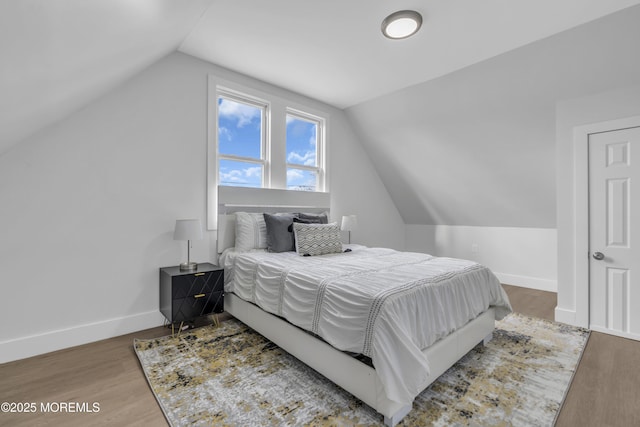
[239, 128]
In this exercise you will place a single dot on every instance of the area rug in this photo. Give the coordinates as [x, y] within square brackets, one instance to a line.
[230, 375]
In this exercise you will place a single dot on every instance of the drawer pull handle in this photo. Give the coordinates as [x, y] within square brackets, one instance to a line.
[199, 295]
[199, 274]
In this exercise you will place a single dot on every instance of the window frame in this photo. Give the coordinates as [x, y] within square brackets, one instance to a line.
[274, 168]
[232, 95]
[319, 168]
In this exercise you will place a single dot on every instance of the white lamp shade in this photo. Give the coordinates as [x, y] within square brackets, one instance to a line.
[188, 229]
[349, 223]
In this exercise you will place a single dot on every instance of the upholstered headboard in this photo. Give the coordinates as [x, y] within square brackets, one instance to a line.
[243, 199]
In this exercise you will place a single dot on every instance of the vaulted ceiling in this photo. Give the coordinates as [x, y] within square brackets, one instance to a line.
[476, 86]
[334, 51]
[478, 146]
[58, 55]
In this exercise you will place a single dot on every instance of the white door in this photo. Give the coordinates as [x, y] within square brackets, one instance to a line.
[614, 232]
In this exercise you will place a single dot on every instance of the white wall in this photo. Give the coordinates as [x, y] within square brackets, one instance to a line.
[464, 149]
[357, 189]
[518, 256]
[571, 113]
[88, 207]
[477, 147]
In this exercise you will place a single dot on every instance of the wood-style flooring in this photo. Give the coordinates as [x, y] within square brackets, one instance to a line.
[605, 390]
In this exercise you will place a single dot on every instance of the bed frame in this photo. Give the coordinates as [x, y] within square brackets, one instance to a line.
[354, 376]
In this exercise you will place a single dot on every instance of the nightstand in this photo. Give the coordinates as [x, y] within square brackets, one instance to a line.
[187, 295]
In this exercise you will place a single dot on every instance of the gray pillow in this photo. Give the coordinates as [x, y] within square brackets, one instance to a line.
[279, 238]
[314, 218]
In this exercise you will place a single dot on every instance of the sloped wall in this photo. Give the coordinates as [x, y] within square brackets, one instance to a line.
[88, 206]
[472, 154]
[477, 147]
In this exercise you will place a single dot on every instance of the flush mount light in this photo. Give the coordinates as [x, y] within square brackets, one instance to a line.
[401, 24]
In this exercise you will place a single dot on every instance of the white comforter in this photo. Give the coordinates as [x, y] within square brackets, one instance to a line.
[385, 304]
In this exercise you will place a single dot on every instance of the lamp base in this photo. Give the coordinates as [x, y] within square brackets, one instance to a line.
[188, 266]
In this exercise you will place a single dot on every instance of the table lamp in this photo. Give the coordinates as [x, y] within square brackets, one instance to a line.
[188, 229]
[349, 223]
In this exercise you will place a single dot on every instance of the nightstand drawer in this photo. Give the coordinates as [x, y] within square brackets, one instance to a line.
[195, 284]
[197, 305]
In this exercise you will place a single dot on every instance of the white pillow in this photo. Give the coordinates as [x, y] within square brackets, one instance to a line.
[251, 231]
[317, 239]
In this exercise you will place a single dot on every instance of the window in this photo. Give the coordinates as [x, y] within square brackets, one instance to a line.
[303, 135]
[258, 139]
[241, 141]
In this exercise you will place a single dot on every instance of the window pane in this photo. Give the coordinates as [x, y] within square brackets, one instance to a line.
[242, 174]
[302, 141]
[300, 179]
[239, 129]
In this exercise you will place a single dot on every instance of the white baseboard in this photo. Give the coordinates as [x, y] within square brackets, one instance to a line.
[563, 315]
[528, 282]
[20, 348]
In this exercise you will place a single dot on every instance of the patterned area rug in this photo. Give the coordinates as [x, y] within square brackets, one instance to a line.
[230, 375]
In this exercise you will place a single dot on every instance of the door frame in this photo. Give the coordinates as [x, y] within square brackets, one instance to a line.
[581, 208]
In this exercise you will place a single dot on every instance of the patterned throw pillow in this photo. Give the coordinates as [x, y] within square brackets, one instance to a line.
[317, 239]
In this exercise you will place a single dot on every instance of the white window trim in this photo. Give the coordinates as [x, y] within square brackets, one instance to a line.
[265, 106]
[320, 147]
[276, 106]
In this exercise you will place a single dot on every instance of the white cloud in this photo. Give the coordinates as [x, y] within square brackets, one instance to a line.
[224, 132]
[301, 180]
[246, 175]
[232, 176]
[294, 175]
[313, 141]
[242, 113]
[307, 159]
[253, 172]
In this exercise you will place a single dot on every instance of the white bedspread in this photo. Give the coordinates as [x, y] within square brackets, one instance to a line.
[385, 304]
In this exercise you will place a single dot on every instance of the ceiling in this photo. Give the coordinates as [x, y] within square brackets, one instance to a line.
[479, 146]
[334, 51]
[59, 55]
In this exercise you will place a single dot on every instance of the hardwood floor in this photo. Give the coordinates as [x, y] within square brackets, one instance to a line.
[106, 372]
[605, 390]
[532, 302]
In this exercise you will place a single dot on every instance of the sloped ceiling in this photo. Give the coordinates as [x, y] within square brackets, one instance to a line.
[334, 51]
[455, 143]
[58, 55]
[477, 146]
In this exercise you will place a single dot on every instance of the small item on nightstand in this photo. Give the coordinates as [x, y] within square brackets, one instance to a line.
[188, 229]
[349, 223]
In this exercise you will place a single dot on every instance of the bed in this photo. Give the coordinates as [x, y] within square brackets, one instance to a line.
[380, 323]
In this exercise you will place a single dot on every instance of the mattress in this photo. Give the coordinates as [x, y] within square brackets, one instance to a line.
[385, 304]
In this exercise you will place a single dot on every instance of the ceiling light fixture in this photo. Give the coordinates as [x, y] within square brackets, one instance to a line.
[401, 24]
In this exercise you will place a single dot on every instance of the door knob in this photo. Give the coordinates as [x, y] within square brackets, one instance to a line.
[598, 255]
